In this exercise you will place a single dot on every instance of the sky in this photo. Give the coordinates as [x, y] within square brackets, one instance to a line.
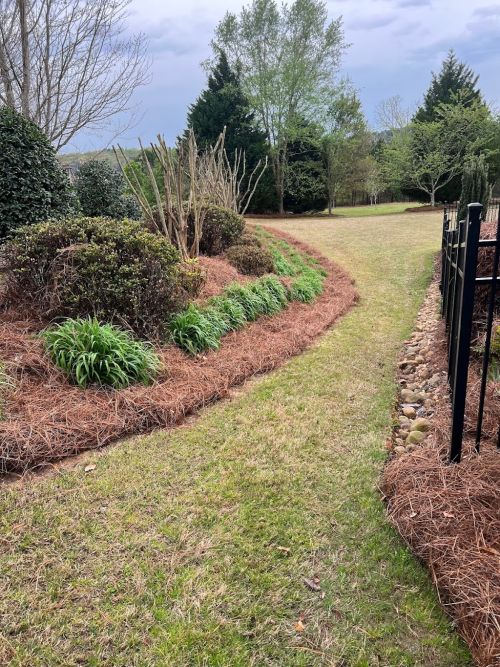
[395, 45]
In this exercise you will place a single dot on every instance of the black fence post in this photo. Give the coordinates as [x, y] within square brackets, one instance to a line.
[466, 271]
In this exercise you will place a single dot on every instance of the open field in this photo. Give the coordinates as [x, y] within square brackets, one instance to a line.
[376, 209]
[191, 547]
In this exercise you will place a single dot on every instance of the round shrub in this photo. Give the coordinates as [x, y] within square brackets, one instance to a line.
[100, 189]
[250, 260]
[222, 228]
[116, 271]
[101, 354]
[247, 238]
[33, 187]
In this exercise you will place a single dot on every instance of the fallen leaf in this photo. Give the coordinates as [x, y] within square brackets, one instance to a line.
[448, 515]
[285, 550]
[412, 515]
[299, 626]
[313, 584]
[89, 468]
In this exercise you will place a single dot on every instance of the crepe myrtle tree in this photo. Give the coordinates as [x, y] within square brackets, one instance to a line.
[288, 57]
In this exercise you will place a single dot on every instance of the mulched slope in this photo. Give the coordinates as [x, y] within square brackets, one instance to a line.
[48, 419]
[450, 514]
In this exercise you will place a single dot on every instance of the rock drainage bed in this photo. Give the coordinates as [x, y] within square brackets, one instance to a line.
[448, 514]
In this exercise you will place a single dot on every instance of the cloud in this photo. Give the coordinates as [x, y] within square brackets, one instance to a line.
[414, 3]
[407, 29]
[371, 22]
[486, 12]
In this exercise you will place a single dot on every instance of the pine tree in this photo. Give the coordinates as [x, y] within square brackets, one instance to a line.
[224, 104]
[475, 186]
[454, 79]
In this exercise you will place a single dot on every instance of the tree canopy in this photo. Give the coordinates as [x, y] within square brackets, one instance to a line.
[455, 80]
[288, 57]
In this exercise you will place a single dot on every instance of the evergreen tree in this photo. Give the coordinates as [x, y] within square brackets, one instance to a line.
[100, 188]
[475, 186]
[305, 173]
[455, 81]
[33, 187]
[224, 105]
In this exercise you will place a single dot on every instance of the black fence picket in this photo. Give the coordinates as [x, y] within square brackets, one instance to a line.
[461, 244]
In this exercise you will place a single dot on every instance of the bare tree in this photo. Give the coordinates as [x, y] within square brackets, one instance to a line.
[393, 115]
[224, 178]
[190, 180]
[67, 64]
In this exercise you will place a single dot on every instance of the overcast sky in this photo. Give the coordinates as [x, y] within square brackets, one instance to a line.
[395, 44]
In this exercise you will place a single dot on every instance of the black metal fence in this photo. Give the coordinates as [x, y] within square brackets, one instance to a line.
[461, 245]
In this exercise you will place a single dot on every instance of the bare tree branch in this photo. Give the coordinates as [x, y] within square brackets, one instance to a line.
[68, 64]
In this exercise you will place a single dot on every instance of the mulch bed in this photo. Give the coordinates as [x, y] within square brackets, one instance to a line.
[48, 419]
[450, 514]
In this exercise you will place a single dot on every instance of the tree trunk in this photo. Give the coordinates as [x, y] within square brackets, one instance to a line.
[433, 198]
[26, 81]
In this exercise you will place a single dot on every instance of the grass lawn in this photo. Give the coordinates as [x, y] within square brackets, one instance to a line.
[190, 547]
[376, 209]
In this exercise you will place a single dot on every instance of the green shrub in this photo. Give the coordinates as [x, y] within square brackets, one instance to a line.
[193, 332]
[232, 310]
[250, 260]
[93, 353]
[192, 277]
[100, 188]
[222, 228]
[116, 271]
[249, 238]
[33, 187]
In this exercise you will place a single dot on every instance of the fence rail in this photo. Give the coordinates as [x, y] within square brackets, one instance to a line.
[460, 250]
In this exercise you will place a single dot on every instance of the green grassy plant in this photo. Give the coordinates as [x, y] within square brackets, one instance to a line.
[93, 353]
[193, 332]
[231, 309]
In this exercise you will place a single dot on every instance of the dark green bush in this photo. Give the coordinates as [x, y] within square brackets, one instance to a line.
[250, 260]
[114, 270]
[33, 187]
[93, 353]
[222, 228]
[100, 188]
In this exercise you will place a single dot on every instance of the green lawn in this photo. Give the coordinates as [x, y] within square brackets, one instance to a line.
[190, 547]
[376, 209]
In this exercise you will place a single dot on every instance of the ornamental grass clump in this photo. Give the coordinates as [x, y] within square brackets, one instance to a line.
[282, 267]
[91, 353]
[306, 287]
[248, 300]
[193, 332]
[231, 310]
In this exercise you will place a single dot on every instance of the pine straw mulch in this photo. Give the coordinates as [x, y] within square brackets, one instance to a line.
[450, 514]
[48, 419]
